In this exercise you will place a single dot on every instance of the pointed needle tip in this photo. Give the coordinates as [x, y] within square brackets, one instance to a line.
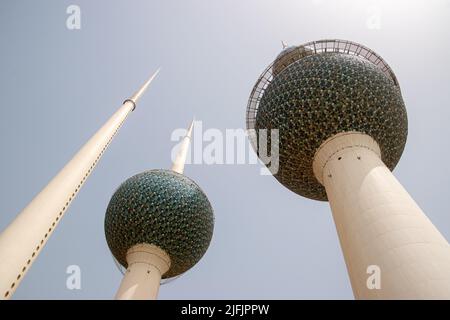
[135, 97]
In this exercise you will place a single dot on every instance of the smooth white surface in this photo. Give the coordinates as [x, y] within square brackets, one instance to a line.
[146, 265]
[380, 224]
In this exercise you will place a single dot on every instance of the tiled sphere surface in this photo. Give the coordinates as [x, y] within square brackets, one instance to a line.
[163, 208]
[321, 95]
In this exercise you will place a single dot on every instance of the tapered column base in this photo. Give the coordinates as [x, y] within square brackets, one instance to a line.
[146, 265]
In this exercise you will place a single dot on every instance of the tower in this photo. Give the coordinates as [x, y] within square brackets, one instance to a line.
[23, 239]
[342, 129]
[158, 224]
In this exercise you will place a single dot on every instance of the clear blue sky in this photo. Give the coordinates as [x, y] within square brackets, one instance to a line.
[59, 86]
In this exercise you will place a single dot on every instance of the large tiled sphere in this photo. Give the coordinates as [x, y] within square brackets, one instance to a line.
[163, 208]
[324, 94]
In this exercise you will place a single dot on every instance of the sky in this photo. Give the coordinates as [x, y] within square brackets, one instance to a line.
[58, 86]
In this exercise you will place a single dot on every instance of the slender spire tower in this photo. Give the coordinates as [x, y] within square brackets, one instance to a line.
[342, 129]
[158, 224]
[22, 241]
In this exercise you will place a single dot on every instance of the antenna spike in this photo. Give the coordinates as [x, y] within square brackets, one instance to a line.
[180, 160]
[137, 95]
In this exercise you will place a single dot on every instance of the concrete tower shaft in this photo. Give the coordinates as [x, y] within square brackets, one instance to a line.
[146, 266]
[379, 225]
[23, 240]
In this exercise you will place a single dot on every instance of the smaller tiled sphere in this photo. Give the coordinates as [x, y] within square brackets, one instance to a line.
[162, 208]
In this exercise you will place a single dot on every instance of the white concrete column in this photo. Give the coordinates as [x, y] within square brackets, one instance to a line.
[23, 239]
[380, 227]
[146, 265]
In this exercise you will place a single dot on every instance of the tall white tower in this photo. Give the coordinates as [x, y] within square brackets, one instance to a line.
[22, 241]
[342, 129]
